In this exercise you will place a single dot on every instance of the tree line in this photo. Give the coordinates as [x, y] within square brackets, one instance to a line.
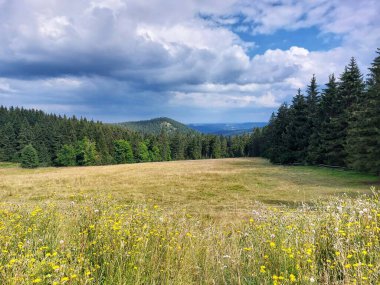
[337, 126]
[34, 138]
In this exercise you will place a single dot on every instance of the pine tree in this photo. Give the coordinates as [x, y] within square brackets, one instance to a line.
[142, 152]
[155, 154]
[363, 139]
[215, 147]
[8, 142]
[296, 138]
[351, 88]
[86, 152]
[29, 157]
[177, 147]
[66, 156]
[164, 145]
[256, 143]
[275, 134]
[330, 110]
[123, 152]
[314, 123]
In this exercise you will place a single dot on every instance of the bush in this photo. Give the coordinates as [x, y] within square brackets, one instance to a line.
[29, 157]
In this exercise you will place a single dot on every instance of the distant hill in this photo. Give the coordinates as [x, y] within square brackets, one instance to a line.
[154, 126]
[227, 129]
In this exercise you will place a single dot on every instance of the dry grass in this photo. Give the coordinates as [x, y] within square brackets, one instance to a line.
[223, 188]
[192, 222]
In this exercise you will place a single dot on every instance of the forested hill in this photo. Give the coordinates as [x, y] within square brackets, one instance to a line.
[155, 126]
[47, 139]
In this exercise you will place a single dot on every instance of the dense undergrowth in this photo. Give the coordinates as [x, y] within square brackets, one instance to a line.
[105, 241]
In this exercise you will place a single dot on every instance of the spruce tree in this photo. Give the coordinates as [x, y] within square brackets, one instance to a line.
[276, 134]
[66, 156]
[8, 142]
[329, 130]
[86, 152]
[29, 157]
[143, 152]
[297, 135]
[313, 155]
[164, 145]
[351, 90]
[123, 152]
[363, 139]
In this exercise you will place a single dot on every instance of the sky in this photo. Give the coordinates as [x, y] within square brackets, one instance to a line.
[196, 61]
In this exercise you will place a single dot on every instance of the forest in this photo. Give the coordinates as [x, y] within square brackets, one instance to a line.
[51, 140]
[338, 126]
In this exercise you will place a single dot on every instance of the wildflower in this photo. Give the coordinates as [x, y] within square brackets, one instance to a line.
[55, 267]
[262, 268]
[37, 280]
[292, 278]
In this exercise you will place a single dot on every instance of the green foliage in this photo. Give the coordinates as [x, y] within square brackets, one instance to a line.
[363, 137]
[156, 126]
[123, 152]
[143, 153]
[216, 147]
[155, 154]
[86, 152]
[54, 138]
[7, 142]
[297, 136]
[340, 128]
[66, 156]
[29, 157]
[163, 141]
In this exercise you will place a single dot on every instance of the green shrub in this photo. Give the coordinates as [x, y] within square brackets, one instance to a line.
[29, 157]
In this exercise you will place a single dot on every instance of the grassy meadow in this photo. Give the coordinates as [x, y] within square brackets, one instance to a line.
[227, 221]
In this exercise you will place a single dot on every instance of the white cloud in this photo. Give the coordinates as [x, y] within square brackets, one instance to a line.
[119, 51]
[5, 87]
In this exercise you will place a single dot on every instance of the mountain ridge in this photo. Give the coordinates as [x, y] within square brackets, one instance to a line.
[156, 125]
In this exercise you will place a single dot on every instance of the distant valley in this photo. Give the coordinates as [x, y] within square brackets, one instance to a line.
[227, 129]
[154, 126]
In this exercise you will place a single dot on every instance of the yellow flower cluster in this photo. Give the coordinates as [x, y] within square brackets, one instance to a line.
[104, 241]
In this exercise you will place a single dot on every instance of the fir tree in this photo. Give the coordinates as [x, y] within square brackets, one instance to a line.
[66, 156]
[330, 110]
[363, 139]
[297, 136]
[86, 152]
[314, 123]
[29, 157]
[350, 92]
[123, 152]
[142, 152]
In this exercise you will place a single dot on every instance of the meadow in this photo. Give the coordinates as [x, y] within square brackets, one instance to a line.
[226, 221]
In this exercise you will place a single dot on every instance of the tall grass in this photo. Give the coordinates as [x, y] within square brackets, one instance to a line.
[104, 241]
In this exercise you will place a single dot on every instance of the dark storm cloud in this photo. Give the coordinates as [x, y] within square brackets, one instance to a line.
[126, 59]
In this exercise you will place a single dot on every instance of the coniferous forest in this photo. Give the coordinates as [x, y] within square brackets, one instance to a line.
[336, 126]
[62, 141]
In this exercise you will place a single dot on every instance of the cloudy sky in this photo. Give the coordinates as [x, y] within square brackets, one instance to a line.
[192, 60]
